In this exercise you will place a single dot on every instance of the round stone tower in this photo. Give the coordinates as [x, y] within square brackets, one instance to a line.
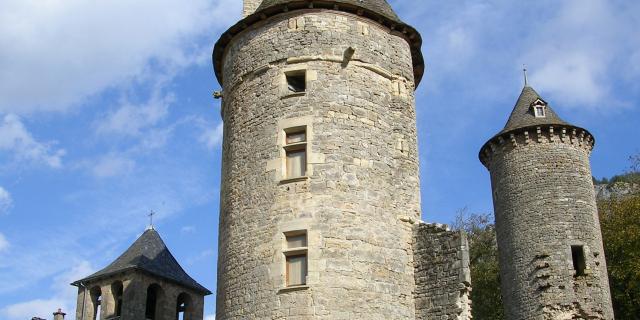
[320, 182]
[552, 264]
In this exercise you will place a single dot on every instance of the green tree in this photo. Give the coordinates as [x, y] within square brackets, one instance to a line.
[483, 254]
[620, 223]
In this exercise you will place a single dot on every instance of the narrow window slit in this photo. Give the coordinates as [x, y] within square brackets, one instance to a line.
[579, 261]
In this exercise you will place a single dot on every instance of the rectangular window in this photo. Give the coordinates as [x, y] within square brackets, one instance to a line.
[296, 81]
[296, 258]
[579, 261]
[540, 112]
[296, 152]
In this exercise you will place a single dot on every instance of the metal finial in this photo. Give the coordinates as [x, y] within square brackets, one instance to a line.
[150, 215]
[526, 79]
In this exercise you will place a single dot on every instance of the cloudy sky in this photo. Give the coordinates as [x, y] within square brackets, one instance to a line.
[106, 113]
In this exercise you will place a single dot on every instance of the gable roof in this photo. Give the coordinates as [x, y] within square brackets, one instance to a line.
[149, 254]
[522, 115]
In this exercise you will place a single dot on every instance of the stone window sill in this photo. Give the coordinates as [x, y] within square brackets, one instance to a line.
[296, 179]
[293, 94]
[293, 288]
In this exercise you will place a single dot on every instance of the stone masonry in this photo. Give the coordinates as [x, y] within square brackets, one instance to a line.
[443, 276]
[145, 282]
[359, 199]
[545, 209]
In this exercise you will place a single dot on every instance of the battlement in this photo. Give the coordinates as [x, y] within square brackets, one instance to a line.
[514, 139]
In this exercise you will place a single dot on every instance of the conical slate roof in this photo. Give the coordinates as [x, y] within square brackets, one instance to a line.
[522, 115]
[149, 254]
[379, 6]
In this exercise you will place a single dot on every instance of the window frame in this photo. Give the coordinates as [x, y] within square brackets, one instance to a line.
[295, 147]
[296, 252]
[539, 105]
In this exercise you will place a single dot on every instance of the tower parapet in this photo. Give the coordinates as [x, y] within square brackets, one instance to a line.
[552, 264]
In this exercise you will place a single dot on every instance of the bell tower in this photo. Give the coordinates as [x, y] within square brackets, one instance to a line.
[145, 282]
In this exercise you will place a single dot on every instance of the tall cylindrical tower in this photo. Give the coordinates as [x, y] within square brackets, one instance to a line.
[552, 263]
[320, 177]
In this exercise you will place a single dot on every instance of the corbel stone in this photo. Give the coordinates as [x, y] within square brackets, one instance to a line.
[552, 137]
[539, 134]
[514, 141]
[526, 137]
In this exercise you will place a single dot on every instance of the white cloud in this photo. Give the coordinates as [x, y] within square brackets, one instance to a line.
[5, 204]
[201, 256]
[15, 137]
[112, 165]
[130, 119]
[188, 229]
[210, 317]
[57, 53]
[63, 297]
[4, 244]
[212, 136]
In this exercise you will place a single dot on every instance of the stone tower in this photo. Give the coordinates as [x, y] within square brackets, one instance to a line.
[320, 192]
[145, 282]
[552, 263]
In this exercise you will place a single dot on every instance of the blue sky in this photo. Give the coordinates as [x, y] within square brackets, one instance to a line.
[106, 113]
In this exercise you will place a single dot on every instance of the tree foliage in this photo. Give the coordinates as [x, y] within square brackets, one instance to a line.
[620, 223]
[485, 275]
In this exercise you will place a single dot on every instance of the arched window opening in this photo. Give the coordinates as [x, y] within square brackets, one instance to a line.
[154, 295]
[96, 303]
[183, 308]
[117, 290]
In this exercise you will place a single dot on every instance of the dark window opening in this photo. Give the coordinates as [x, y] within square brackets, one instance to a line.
[96, 301]
[183, 307]
[296, 82]
[579, 261]
[116, 289]
[151, 309]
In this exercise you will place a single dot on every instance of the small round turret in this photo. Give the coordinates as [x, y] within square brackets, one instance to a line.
[552, 263]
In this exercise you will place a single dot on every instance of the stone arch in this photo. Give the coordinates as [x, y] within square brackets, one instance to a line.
[117, 291]
[184, 307]
[153, 305]
[95, 294]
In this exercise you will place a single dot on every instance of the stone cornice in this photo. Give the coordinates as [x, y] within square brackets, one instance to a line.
[410, 34]
[537, 134]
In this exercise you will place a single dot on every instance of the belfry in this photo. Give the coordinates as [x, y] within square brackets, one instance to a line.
[145, 282]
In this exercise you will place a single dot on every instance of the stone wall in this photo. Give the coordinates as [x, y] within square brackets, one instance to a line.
[362, 171]
[545, 203]
[442, 274]
[250, 6]
[134, 298]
